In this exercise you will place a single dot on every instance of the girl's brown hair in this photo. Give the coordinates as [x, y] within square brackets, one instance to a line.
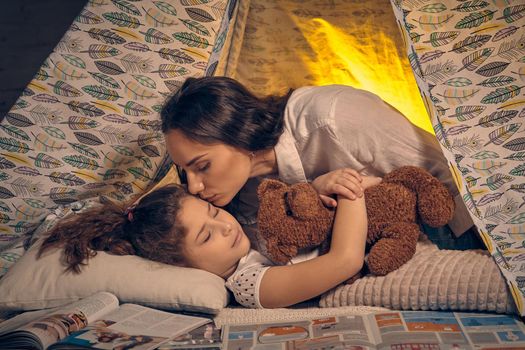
[150, 229]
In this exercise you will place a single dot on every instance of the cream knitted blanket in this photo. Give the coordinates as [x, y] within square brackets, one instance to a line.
[432, 280]
[240, 315]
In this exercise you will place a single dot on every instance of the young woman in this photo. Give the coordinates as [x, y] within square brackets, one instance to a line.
[224, 138]
[171, 226]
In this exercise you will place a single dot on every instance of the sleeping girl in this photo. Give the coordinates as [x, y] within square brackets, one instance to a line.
[171, 226]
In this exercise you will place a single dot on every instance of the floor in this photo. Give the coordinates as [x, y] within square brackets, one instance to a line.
[29, 30]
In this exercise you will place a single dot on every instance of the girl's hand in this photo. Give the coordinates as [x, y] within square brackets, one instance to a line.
[369, 181]
[345, 182]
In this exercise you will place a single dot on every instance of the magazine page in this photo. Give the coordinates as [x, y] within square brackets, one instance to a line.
[131, 327]
[491, 331]
[57, 323]
[23, 319]
[206, 337]
[422, 329]
[338, 332]
[384, 330]
[448, 330]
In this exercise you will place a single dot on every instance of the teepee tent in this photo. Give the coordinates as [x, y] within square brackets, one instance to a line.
[87, 125]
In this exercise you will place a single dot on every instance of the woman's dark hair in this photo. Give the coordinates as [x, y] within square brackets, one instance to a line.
[151, 230]
[220, 109]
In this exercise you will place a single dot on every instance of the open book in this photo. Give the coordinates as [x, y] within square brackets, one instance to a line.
[96, 322]
[383, 330]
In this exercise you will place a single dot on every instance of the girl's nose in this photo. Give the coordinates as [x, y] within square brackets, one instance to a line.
[225, 228]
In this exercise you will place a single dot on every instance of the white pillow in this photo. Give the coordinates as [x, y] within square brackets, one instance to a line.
[42, 283]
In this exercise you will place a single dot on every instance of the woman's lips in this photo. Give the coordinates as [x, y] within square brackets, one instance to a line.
[210, 198]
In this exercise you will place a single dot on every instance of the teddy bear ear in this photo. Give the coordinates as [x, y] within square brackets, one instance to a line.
[303, 201]
[269, 185]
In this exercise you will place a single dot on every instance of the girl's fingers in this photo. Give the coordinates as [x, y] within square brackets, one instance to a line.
[371, 181]
[328, 201]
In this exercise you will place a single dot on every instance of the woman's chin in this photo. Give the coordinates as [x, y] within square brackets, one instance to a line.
[221, 201]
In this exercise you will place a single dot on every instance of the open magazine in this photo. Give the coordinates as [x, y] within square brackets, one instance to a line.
[384, 330]
[96, 322]
[206, 337]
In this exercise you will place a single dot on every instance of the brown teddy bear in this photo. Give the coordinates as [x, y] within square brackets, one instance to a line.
[292, 217]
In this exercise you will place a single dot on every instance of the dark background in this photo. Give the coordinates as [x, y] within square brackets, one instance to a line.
[29, 30]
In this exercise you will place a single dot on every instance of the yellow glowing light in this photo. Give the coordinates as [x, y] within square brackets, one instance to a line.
[371, 62]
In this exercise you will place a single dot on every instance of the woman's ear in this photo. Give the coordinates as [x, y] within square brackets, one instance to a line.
[269, 185]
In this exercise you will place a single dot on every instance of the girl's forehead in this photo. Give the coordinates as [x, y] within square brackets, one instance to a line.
[194, 207]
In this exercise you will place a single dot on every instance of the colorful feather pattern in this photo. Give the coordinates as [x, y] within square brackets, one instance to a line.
[480, 109]
[155, 36]
[127, 7]
[463, 113]
[106, 36]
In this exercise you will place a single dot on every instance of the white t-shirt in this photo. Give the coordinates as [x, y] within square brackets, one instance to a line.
[330, 127]
[246, 280]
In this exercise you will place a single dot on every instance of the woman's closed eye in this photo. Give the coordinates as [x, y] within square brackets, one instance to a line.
[203, 168]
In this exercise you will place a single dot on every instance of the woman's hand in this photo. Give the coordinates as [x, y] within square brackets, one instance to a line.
[345, 182]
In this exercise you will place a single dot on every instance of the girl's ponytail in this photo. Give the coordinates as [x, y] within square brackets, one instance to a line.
[102, 228]
[150, 229]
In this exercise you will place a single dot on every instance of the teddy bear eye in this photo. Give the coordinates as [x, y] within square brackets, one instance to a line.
[287, 205]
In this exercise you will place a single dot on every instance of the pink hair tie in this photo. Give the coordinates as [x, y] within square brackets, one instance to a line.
[129, 212]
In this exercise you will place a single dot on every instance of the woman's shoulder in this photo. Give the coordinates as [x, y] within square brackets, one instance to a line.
[321, 98]
[310, 91]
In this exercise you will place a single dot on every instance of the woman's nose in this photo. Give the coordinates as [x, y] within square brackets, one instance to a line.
[195, 185]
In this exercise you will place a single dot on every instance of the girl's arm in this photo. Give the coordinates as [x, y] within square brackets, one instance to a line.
[287, 285]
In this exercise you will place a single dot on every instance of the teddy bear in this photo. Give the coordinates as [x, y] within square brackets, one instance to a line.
[292, 217]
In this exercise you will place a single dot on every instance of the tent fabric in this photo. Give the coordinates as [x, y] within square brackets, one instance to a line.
[468, 58]
[288, 44]
[87, 125]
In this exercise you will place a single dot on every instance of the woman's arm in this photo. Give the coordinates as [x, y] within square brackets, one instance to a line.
[287, 285]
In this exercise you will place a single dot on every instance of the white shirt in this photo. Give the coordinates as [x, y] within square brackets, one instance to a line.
[336, 126]
[245, 282]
